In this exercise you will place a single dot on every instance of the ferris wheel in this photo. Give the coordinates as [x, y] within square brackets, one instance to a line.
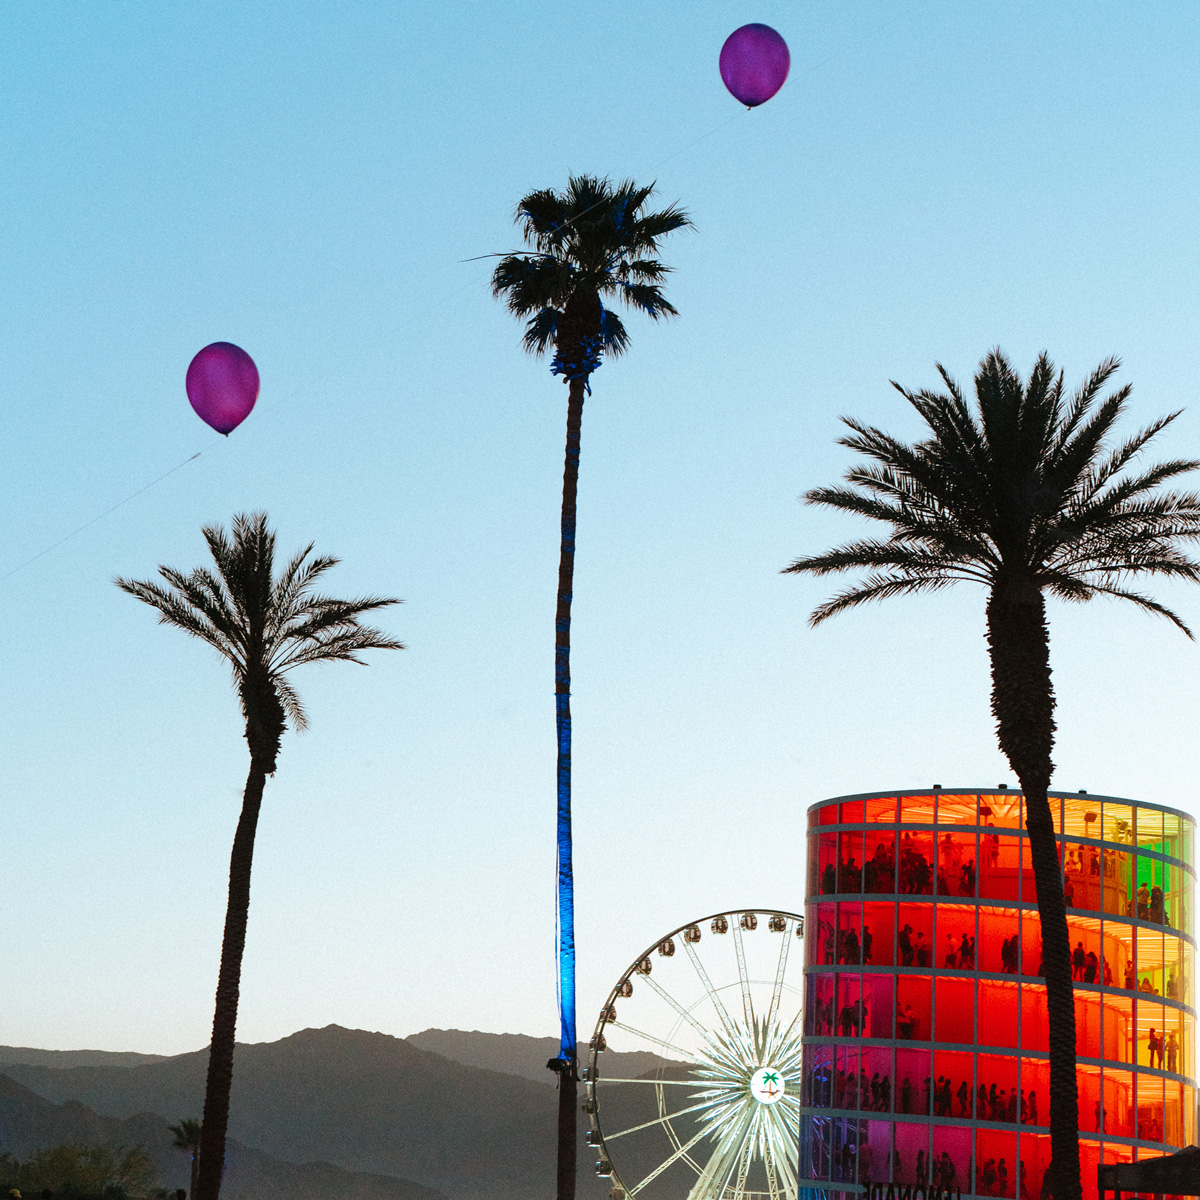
[703, 1033]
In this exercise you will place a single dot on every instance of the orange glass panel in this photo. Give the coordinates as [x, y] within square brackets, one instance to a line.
[913, 1007]
[1085, 878]
[914, 938]
[912, 1086]
[957, 808]
[1118, 1102]
[1175, 1097]
[1035, 1029]
[879, 934]
[1189, 1115]
[1118, 885]
[997, 1013]
[956, 864]
[1148, 947]
[879, 857]
[915, 866]
[954, 1087]
[1118, 1028]
[916, 810]
[1001, 810]
[1028, 884]
[880, 810]
[999, 940]
[1035, 1091]
[1117, 954]
[1149, 1108]
[1084, 933]
[999, 866]
[995, 1163]
[819, 944]
[955, 1011]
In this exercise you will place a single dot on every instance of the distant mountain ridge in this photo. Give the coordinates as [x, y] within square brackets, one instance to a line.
[29, 1123]
[28, 1056]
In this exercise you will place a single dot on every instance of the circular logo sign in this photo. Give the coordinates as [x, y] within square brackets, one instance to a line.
[766, 1085]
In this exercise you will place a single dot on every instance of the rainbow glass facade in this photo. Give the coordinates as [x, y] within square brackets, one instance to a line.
[925, 1056]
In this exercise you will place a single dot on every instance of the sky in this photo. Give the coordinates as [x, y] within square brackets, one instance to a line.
[311, 181]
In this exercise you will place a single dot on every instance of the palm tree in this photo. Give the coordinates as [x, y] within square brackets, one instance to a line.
[264, 627]
[590, 243]
[1025, 496]
[187, 1137]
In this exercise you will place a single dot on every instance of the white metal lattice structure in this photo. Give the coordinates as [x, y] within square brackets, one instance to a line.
[710, 1109]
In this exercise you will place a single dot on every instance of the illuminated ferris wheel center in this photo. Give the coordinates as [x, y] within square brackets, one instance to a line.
[767, 1086]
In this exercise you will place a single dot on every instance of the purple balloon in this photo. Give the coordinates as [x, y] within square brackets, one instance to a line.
[222, 384]
[754, 63]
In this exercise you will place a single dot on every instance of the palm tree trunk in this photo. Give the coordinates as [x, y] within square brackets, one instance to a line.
[207, 1185]
[1023, 705]
[567, 1062]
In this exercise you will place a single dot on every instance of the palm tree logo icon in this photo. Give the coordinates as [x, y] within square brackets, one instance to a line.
[766, 1085]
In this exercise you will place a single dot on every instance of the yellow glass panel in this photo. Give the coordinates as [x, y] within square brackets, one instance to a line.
[916, 810]
[957, 808]
[1116, 823]
[1001, 809]
[1081, 816]
[1149, 828]
[1172, 825]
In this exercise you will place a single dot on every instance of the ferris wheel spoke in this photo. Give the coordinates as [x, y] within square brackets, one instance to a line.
[692, 1083]
[733, 1143]
[676, 1050]
[777, 990]
[743, 975]
[608, 1137]
[633, 1191]
[683, 1012]
[711, 991]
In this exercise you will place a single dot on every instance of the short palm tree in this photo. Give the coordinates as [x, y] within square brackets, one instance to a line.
[590, 243]
[1025, 496]
[187, 1137]
[264, 627]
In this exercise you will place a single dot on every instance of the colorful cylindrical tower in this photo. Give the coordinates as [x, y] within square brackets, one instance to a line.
[925, 1037]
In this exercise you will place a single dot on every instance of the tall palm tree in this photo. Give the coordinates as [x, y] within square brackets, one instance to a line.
[589, 243]
[264, 627]
[1025, 496]
[187, 1137]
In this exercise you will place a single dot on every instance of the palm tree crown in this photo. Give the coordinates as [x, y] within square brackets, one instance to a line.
[264, 627]
[591, 242]
[1023, 493]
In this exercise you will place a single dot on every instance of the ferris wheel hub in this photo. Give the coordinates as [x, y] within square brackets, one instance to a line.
[767, 1085]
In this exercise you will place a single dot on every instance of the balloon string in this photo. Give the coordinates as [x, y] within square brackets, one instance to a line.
[105, 513]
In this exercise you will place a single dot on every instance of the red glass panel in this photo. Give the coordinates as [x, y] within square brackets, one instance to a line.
[828, 863]
[879, 871]
[913, 1007]
[951, 1163]
[955, 1011]
[997, 1088]
[850, 850]
[1031, 943]
[915, 867]
[997, 1013]
[877, 1066]
[812, 882]
[912, 1076]
[914, 939]
[877, 1006]
[956, 937]
[849, 934]
[954, 1084]
[999, 866]
[821, 993]
[1118, 1102]
[852, 812]
[1089, 1160]
[829, 814]
[848, 1016]
[1035, 1026]
[879, 934]
[819, 943]
[912, 1153]
[916, 810]
[1035, 1158]
[999, 943]
[1093, 1116]
[1035, 1091]
[846, 1078]
[995, 1163]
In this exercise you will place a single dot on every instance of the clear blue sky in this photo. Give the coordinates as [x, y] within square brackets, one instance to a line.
[305, 179]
